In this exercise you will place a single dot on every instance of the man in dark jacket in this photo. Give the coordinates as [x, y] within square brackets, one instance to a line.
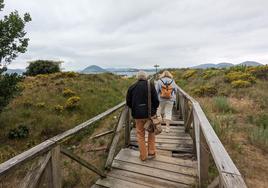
[137, 100]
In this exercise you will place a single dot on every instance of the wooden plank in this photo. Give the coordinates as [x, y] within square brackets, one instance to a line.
[127, 128]
[158, 173]
[232, 180]
[82, 162]
[174, 122]
[56, 169]
[144, 179]
[102, 134]
[170, 146]
[118, 183]
[189, 121]
[204, 160]
[161, 158]
[166, 137]
[33, 177]
[169, 141]
[115, 140]
[158, 165]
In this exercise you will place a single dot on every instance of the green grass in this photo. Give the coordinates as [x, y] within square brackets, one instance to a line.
[39, 107]
[222, 105]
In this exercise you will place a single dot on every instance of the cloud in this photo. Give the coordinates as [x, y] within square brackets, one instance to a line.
[127, 33]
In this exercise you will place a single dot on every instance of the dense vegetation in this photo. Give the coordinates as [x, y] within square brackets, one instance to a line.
[236, 102]
[52, 103]
[42, 67]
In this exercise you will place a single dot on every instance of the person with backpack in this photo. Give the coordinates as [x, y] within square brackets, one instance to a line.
[137, 101]
[166, 89]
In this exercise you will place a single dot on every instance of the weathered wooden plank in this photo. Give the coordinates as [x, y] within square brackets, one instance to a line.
[169, 141]
[102, 134]
[97, 186]
[118, 183]
[82, 162]
[33, 177]
[158, 165]
[189, 121]
[232, 180]
[127, 128]
[144, 179]
[161, 158]
[56, 169]
[170, 146]
[26, 156]
[115, 140]
[173, 122]
[204, 160]
[162, 174]
[166, 137]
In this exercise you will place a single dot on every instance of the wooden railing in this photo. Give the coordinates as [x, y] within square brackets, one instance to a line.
[49, 153]
[207, 143]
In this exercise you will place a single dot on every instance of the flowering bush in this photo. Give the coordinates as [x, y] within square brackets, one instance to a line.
[72, 102]
[189, 74]
[240, 84]
[68, 92]
[58, 108]
[206, 90]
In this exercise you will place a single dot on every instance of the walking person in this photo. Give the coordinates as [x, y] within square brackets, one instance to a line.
[166, 89]
[137, 100]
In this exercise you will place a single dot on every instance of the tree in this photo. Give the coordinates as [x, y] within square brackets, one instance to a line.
[42, 67]
[12, 36]
[12, 42]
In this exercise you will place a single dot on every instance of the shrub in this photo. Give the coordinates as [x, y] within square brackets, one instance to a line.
[69, 74]
[27, 104]
[72, 102]
[41, 105]
[58, 108]
[68, 92]
[260, 72]
[209, 74]
[221, 104]
[19, 132]
[207, 90]
[234, 76]
[189, 73]
[8, 88]
[240, 84]
[42, 67]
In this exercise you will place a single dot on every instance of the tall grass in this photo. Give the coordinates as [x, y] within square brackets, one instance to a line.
[259, 137]
[222, 105]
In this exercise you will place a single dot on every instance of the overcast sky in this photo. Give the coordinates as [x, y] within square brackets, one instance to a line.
[141, 33]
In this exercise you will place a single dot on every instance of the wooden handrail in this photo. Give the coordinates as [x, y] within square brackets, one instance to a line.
[52, 142]
[207, 142]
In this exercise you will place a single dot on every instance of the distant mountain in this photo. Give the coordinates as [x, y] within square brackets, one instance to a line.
[18, 71]
[93, 69]
[250, 63]
[225, 65]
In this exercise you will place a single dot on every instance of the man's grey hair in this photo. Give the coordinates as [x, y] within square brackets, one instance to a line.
[142, 75]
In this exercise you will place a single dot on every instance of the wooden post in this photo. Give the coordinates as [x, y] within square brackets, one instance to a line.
[56, 170]
[127, 128]
[186, 109]
[204, 160]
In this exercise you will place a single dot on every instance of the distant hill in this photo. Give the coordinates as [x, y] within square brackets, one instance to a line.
[18, 71]
[250, 63]
[93, 69]
[224, 65]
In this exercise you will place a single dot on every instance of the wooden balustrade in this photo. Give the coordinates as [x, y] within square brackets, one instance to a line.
[206, 144]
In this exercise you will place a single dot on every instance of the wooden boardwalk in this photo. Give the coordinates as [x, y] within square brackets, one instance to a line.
[184, 155]
[174, 165]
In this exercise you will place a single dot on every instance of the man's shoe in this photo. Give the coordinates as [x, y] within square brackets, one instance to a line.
[151, 156]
